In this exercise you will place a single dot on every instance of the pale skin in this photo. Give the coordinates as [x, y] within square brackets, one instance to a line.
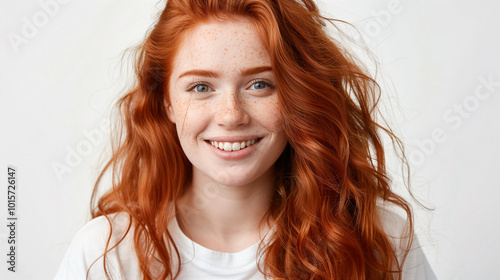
[222, 88]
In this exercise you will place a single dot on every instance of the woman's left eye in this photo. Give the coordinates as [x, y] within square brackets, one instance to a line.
[259, 85]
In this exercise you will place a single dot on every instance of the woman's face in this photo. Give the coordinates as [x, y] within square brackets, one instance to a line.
[224, 103]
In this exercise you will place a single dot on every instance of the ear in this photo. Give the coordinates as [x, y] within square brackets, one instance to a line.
[170, 111]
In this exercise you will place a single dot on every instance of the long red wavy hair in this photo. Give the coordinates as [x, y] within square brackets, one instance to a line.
[330, 176]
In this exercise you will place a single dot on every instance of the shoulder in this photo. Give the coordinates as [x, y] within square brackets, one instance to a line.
[397, 228]
[87, 248]
[93, 237]
[99, 228]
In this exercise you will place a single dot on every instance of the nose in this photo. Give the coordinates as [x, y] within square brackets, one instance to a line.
[231, 112]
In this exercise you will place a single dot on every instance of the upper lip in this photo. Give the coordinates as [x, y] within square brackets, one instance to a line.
[233, 138]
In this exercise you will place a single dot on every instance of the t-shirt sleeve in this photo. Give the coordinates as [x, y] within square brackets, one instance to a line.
[85, 253]
[416, 266]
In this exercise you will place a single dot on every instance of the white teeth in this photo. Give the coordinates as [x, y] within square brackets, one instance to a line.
[232, 146]
[236, 146]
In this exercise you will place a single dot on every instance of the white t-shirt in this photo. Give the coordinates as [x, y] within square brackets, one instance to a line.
[89, 243]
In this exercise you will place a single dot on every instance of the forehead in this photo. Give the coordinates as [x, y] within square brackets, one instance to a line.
[222, 45]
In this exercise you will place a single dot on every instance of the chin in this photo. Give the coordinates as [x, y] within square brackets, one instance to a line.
[234, 179]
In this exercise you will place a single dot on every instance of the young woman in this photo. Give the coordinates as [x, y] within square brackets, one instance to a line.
[249, 150]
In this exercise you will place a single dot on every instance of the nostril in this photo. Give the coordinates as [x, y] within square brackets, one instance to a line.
[232, 116]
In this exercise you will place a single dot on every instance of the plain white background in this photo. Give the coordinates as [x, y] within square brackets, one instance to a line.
[60, 72]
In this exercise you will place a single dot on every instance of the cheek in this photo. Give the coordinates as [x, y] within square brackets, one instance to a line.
[270, 114]
[191, 117]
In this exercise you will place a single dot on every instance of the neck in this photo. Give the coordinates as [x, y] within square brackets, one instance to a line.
[225, 218]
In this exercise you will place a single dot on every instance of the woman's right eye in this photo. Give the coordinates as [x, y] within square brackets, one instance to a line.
[200, 88]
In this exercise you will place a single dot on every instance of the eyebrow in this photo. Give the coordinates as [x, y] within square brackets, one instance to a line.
[212, 74]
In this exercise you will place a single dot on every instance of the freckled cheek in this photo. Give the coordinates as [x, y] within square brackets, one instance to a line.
[193, 119]
[268, 113]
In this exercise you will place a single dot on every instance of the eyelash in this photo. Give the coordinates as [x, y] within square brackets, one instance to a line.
[261, 81]
[191, 87]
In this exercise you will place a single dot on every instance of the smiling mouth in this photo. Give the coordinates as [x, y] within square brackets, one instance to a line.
[233, 146]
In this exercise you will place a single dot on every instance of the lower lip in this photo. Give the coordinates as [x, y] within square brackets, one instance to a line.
[235, 155]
